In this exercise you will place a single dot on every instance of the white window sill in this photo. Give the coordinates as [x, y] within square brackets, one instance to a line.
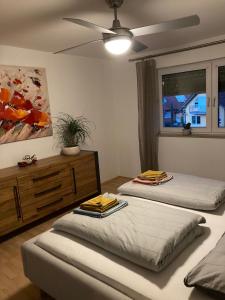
[193, 135]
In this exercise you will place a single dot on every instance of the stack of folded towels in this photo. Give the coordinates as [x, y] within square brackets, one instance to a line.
[153, 177]
[101, 206]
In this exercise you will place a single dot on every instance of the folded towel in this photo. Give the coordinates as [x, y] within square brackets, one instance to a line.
[152, 178]
[100, 203]
[120, 205]
[100, 209]
[152, 175]
[156, 182]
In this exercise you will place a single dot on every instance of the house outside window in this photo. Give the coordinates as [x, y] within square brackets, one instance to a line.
[193, 93]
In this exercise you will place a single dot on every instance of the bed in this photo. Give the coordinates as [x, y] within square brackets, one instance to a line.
[183, 190]
[100, 274]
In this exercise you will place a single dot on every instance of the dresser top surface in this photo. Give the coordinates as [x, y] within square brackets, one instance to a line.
[41, 163]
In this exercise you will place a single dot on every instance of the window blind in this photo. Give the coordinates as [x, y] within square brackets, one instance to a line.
[184, 83]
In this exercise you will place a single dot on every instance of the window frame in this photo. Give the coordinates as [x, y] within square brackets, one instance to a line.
[215, 65]
[185, 68]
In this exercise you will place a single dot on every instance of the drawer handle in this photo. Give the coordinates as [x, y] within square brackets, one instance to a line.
[46, 176]
[49, 204]
[74, 180]
[48, 191]
[16, 197]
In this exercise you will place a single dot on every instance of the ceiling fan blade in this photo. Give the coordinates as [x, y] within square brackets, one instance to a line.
[89, 25]
[80, 45]
[138, 46]
[166, 26]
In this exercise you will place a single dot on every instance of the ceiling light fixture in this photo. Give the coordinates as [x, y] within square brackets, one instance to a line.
[119, 39]
[118, 45]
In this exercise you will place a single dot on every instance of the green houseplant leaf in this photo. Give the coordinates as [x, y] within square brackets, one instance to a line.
[72, 131]
[187, 126]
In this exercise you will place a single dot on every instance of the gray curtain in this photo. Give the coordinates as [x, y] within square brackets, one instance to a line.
[148, 114]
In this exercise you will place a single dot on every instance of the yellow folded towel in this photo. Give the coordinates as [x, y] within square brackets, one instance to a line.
[153, 175]
[99, 204]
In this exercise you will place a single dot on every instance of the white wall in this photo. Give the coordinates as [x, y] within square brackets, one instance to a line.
[126, 118]
[200, 156]
[80, 86]
[106, 93]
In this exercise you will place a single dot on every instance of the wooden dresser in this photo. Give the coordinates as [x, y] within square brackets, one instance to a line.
[30, 193]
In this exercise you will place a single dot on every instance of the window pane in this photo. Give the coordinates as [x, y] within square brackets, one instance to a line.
[184, 99]
[221, 97]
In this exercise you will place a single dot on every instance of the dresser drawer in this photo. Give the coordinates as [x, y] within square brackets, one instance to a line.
[84, 173]
[41, 192]
[43, 208]
[10, 216]
[7, 190]
[43, 177]
[6, 206]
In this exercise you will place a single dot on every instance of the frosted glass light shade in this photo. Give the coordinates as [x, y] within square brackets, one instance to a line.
[118, 46]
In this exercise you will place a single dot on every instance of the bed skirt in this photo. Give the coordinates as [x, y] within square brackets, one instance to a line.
[61, 280]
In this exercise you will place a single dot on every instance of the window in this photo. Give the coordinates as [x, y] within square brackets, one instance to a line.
[182, 93]
[196, 120]
[193, 93]
[221, 96]
[218, 96]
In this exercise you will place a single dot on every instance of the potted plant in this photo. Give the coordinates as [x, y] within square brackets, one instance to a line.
[71, 132]
[187, 129]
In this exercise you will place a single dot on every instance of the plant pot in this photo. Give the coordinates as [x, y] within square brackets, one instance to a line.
[71, 150]
[187, 131]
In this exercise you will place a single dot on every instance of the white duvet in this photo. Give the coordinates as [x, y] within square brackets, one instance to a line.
[144, 232]
[183, 190]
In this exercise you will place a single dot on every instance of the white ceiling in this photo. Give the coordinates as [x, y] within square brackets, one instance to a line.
[38, 24]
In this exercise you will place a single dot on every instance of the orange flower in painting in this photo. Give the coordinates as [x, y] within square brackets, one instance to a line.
[14, 114]
[37, 118]
[33, 117]
[2, 111]
[9, 114]
[44, 120]
[19, 102]
[21, 113]
[27, 105]
[4, 95]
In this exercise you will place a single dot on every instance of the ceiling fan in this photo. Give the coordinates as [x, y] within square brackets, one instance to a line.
[118, 39]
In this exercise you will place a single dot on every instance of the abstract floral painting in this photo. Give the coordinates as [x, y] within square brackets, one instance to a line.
[24, 104]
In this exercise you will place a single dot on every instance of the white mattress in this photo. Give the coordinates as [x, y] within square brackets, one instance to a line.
[137, 282]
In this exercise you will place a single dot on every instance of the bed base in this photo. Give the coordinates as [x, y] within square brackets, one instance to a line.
[61, 280]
